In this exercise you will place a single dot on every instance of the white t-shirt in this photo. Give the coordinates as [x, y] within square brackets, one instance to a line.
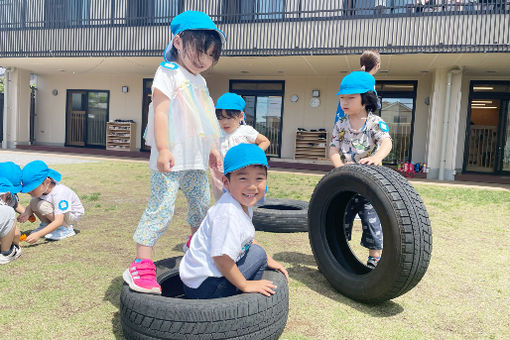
[243, 134]
[64, 200]
[192, 123]
[226, 230]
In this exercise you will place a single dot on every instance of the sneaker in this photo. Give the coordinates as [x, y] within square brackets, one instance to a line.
[185, 246]
[141, 277]
[60, 233]
[12, 255]
[372, 262]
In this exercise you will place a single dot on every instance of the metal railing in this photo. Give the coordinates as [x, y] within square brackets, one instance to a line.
[42, 28]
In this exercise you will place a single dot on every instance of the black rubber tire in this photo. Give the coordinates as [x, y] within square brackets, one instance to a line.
[281, 216]
[171, 316]
[407, 235]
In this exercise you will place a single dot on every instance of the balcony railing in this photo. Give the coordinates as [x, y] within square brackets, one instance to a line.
[41, 28]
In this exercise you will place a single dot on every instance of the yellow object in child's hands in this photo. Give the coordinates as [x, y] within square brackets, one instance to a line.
[31, 219]
[22, 237]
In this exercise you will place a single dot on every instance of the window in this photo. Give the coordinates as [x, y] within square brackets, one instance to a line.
[264, 106]
[251, 10]
[65, 13]
[397, 110]
[152, 11]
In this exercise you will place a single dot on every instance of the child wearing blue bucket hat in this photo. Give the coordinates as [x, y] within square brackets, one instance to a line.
[230, 115]
[183, 134]
[361, 137]
[12, 172]
[223, 258]
[57, 206]
[9, 233]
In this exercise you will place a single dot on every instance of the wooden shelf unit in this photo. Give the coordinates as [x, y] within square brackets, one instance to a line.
[311, 145]
[120, 136]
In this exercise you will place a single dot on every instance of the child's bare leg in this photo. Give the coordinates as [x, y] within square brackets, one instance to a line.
[143, 252]
[374, 252]
[17, 235]
[8, 240]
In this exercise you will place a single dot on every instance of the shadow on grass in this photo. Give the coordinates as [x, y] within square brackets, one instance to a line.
[313, 279]
[112, 295]
[42, 240]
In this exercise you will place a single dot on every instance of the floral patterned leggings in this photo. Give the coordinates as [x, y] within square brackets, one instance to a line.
[160, 207]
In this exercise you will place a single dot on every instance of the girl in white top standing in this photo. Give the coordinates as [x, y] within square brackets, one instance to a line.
[230, 114]
[183, 133]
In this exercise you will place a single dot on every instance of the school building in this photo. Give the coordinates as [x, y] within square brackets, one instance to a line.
[444, 80]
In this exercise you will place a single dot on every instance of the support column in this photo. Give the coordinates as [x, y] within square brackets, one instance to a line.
[16, 108]
[445, 113]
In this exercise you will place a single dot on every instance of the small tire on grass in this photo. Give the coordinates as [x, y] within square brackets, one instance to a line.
[172, 316]
[281, 216]
[407, 235]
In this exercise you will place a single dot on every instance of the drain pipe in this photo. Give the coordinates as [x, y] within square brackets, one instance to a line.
[446, 122]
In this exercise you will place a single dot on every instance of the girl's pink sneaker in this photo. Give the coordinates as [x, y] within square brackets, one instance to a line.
[141, 277]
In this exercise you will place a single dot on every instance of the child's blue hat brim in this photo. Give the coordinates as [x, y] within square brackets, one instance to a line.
[231, 101]
[191, 20]
[12, 172]
[34, 173]
[357, 82]
[6, 186]
[243, 155]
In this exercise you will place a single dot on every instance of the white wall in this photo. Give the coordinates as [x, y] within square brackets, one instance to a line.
[51, 110]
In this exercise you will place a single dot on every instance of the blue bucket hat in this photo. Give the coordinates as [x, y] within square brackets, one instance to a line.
[231, 101]
[242, 155]
[357, 82]
[6, 186]
[34, 173]
[12, 172]
[191, 20]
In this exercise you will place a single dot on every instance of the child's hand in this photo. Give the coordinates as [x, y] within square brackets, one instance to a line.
[33, 238]
[370, 160]
[271, 263]
[215, 159]
[263, 287]
[22, 218]
[165, 160]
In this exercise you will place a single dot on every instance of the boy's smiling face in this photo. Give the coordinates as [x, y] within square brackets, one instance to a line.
[247, 185]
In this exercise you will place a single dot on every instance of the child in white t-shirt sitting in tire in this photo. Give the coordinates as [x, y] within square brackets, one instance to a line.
[57, 206]
[230, 114]
[223, 258]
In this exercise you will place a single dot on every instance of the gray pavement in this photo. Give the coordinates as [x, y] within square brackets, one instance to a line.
[22, 157]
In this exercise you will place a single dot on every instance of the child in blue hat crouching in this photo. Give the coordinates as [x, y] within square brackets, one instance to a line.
[9, 234]
[223, 258]
[57, 207]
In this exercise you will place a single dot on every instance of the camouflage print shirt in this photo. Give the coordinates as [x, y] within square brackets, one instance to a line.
[354, 145]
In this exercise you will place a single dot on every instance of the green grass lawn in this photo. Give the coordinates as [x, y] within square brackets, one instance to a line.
[70, 289]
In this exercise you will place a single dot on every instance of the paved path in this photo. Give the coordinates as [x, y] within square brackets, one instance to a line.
[24, 157]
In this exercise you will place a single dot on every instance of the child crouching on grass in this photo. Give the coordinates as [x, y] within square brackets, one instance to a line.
[9, 233]
[223, 258]
[57, 207]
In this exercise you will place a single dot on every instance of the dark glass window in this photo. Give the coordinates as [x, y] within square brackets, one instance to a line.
[65, 13]
[252, 10]
[152, 11]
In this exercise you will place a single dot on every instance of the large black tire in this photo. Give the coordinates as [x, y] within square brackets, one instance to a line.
[281, 216]
[407, 236]
[171, 316]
